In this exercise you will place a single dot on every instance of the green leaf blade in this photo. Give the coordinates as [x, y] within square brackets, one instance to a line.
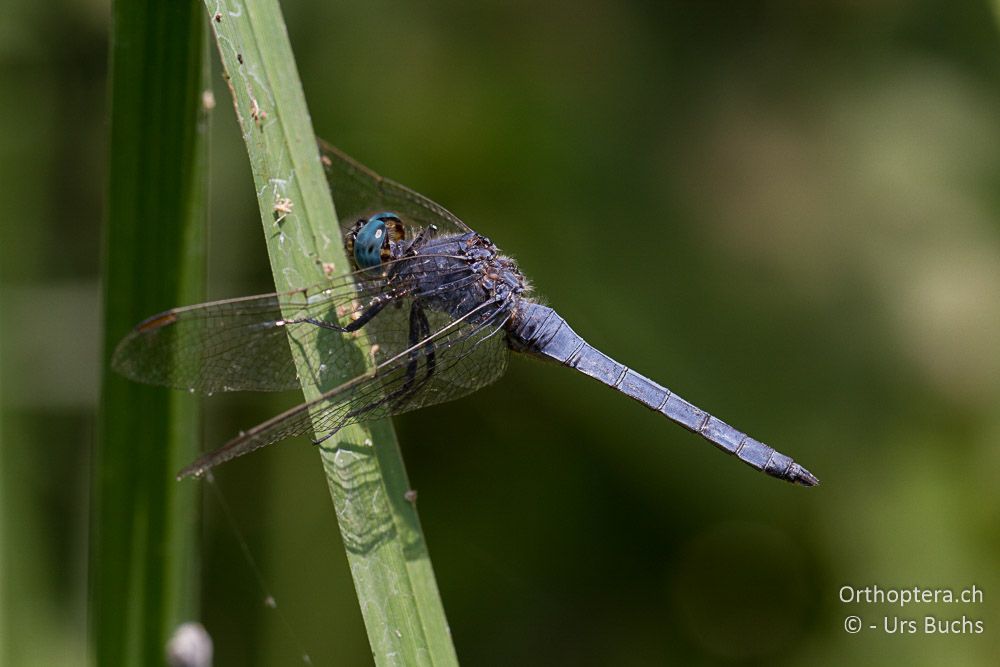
[385, 547]
[142, 555]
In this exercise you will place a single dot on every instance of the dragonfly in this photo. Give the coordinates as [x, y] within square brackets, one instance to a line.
[440, 308]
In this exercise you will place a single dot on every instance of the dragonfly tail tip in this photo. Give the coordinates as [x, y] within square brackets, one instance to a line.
[804, 477]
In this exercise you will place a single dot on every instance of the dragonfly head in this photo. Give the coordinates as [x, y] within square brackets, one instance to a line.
[368, 241]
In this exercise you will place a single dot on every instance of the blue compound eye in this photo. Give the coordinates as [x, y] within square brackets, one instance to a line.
[368, 244]
[371, 243]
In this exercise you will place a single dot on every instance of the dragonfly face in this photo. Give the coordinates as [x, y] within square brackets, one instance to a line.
[369, 241]
[459, 307]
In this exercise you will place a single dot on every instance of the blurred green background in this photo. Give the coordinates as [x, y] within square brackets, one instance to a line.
[787, 212]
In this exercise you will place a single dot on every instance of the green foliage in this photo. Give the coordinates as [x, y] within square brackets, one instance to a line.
[143, 523]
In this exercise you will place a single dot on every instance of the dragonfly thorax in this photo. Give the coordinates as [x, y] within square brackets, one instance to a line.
[457, 273]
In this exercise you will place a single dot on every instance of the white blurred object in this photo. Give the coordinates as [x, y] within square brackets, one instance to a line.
[190, 646]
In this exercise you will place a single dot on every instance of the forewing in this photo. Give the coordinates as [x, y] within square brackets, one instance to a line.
[244, 344]
[359, 192]
[451, 362]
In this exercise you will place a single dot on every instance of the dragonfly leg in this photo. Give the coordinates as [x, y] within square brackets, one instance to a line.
[323, 438]
[419, 239]
[420, 329]
[364, 319]
[411, 250]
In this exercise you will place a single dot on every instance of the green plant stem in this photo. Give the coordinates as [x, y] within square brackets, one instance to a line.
[143, 523]
[381, 531]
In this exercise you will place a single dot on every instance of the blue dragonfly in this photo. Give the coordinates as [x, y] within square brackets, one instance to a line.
[441, 307]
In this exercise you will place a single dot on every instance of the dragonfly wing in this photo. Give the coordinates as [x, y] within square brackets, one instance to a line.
[448, 363]
[219, 346]
[244, 344]
[359, 192]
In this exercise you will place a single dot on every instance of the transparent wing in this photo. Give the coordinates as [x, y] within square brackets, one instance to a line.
[358, 192]
[243, 344]
[454, 360]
